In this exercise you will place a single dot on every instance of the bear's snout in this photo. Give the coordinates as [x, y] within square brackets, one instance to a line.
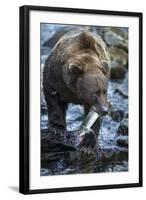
[92, 90]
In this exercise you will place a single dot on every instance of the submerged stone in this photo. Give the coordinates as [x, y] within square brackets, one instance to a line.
[122, 141]
[123, 128]
[117, 115]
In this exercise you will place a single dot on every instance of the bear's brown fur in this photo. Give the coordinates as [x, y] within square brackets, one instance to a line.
[76, 71]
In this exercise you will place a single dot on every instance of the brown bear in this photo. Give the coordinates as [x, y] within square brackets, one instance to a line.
[77, 71]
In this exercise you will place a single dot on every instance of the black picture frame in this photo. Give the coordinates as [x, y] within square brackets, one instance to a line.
[25, 105]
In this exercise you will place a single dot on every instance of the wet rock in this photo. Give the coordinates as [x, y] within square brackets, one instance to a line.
[122, 141]
[113, 39]
[100, 30]
[122, 89]
[117, 115]
[121, 167]
[120, 31]
[123, 128]
[43, 58]
[126, 115]
[117, 71]
[45, 172]
[44, 110]
[51, 156]
[113, 36]
[45, 51]
[122, 93]
[119, 55]
[53, 40]
[61, 31]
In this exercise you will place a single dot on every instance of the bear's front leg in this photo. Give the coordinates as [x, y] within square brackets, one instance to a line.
[56, 111]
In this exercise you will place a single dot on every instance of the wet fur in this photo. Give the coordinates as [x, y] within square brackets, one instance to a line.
[65, 83]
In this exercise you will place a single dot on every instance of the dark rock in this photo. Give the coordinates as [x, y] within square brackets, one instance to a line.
[123, 128]
[117, 115]
[51, 156]
[117, 71]
[122, 89]
[44, 110]
[122, 141]
[100, 30]
[53, 40]
[122, 93]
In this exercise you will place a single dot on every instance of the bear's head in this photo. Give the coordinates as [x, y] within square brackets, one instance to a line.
[87, 78]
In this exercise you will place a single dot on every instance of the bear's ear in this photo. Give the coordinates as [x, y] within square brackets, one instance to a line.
[76, 69]
[104, 68]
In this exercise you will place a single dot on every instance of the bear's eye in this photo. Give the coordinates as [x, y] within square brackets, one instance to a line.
[76, 69]
[104, 91]
[98, 92]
